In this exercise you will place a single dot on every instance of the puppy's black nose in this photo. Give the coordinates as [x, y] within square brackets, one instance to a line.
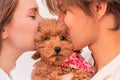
[57, 49]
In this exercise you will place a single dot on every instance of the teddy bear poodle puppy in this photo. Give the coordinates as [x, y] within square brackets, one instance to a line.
[54, 48]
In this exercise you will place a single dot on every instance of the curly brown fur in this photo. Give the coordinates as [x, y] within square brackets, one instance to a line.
[54, 46]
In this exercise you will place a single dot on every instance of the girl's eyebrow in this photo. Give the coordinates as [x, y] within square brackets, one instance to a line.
[33, 9]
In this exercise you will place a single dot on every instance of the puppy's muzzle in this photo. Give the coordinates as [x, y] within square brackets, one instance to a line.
[57, 50]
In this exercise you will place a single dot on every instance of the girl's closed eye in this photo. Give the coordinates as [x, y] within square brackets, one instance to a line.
[33, 15]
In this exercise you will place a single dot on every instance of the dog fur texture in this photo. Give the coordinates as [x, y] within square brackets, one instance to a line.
[54, 46]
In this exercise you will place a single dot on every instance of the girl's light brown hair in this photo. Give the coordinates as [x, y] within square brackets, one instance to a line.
[7, 8]
[113, 7]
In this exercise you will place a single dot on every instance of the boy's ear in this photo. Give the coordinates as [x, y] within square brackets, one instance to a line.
[5, 33]
[99, 9]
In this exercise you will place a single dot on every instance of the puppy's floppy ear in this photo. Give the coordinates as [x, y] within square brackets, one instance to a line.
[36, 56]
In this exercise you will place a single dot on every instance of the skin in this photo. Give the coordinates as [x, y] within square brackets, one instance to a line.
[92, 31]
[19, 33]
[77, 25]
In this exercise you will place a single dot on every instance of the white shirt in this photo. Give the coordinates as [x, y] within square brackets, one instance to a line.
[110, 71]
[4, 76]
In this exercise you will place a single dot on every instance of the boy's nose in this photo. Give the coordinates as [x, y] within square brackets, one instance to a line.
[60, 19]
[57, 50]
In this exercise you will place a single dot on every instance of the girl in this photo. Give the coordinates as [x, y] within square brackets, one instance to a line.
[19, 20]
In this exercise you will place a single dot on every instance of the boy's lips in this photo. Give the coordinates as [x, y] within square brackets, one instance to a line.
[77, 51]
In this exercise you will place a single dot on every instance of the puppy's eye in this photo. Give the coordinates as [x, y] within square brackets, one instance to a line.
[47, 38]
[62, 38]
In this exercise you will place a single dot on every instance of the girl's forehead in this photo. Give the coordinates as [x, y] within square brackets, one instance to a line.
[31, 5]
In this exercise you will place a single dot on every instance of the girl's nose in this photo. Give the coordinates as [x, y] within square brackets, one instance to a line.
[40, 18]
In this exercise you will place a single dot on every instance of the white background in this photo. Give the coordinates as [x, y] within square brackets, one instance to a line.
[24, 64]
